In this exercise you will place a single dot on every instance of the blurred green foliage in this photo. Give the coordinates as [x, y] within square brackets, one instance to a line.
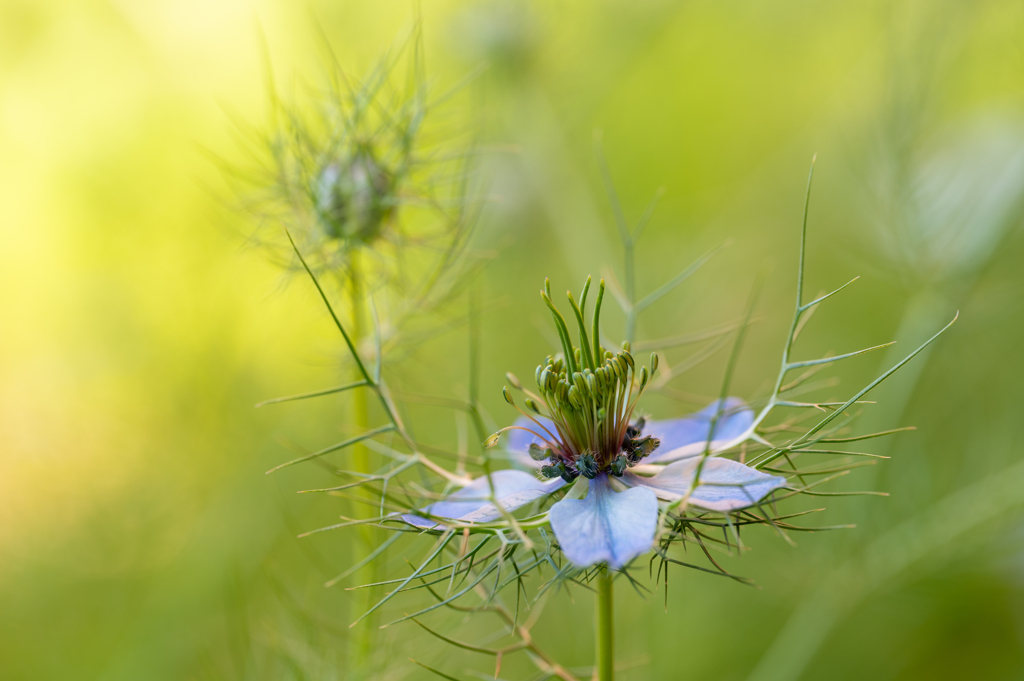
[139, 538]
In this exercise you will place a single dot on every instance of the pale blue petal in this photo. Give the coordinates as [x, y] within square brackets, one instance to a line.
[688, 436]
[607, 526]
[512, 488]
[726, 485]
[418, 521]
[519, 441]
[511, 502]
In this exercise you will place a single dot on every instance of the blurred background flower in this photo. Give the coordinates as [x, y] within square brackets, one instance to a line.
[138, 535]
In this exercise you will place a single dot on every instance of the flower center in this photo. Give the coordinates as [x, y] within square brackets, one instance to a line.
[589, 393]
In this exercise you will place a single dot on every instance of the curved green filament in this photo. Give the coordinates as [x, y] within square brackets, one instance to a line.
[583, 296]
[563, 330]
[586, 357]
[596, 329]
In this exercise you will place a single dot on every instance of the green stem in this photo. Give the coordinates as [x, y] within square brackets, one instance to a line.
[605, 652]
[361, 644]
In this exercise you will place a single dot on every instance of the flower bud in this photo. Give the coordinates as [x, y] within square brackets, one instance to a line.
[355, 196]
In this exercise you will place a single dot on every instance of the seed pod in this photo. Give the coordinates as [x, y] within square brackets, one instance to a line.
[619, 466]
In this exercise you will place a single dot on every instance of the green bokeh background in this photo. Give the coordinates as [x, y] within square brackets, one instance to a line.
[139, 538]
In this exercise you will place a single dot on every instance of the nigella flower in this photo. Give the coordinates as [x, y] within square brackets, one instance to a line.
[608, 483]
[624, 469]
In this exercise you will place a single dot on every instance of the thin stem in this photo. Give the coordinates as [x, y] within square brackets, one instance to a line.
[360, 461]
[605, 651]
[363, 638]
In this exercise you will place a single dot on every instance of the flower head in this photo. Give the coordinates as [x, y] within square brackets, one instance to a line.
[588, 395]
[626, 470]
[368, 174]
